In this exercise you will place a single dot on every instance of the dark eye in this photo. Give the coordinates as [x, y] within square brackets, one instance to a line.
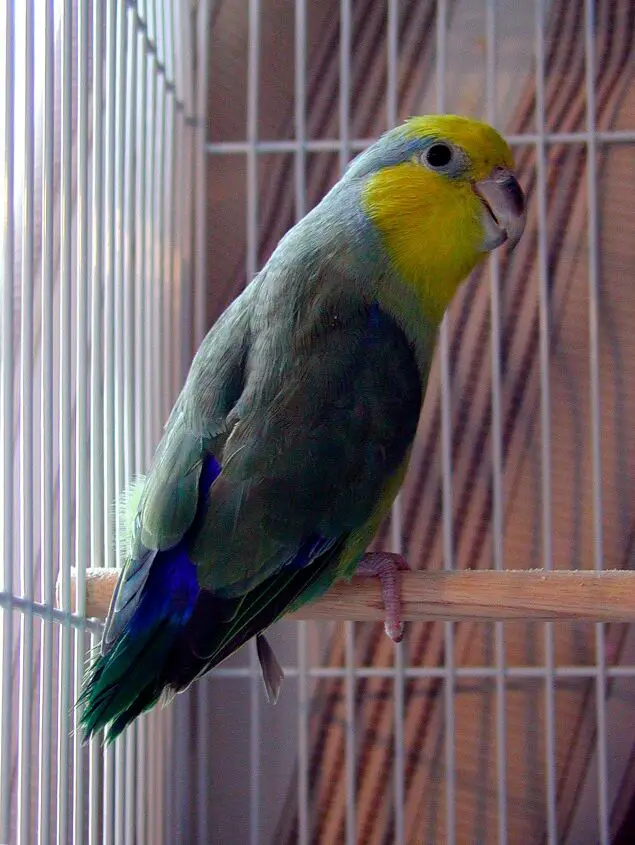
[439, 155]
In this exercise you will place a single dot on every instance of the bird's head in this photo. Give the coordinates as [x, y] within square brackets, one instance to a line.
[441, 193]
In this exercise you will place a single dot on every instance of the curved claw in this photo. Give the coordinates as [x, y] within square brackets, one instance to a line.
[387, 568]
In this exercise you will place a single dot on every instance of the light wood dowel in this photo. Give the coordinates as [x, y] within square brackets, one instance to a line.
[528, 594]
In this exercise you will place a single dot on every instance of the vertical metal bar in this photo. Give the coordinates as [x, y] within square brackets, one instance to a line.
[153, 364]
[140, 369]
[252, 138]
[168, 46]
[163, 385]
[82, 439]
[46, 441]
[194, 133]
[596, 430]
[158, 350]
[545, 417]
[300, 210]
[392, 69]
[160, 759]
[199, 324]
[177, 821]
[96, 328]
[151, 100]
[96, 376]
[64, 780]
[7, 363]
[163, 380]
[129, 275]
[141, 255]
[159, 762]
[170, 201]
[399, 764]
[351, 679]
[195, 127]
[119, 369]
[177, 21]
[142, 781]
[179, 818]
[200, 321]
[497, 450]
[151, 763]
[193, 90]
[446, 455]
[141, 11]
[251, 266]
[350, 751]
[150, 118]
[109, 444]
[178, 163]
[140, 374]
[345, 82]
[157, 276]
[26, 443]
[109, 285]
[120, 257]
[185, 820]
[151, 20]
[202, 698]
[130, 757]
[159, 39]
[129, 380]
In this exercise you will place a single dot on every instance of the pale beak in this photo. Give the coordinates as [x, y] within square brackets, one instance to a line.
[504, 208]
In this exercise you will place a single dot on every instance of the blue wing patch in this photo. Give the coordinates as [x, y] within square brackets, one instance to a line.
[171, 588]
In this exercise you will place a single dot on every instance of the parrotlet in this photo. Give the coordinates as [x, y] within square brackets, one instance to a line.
[292, 434]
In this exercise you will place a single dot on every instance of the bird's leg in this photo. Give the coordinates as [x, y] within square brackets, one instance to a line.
[386, 567]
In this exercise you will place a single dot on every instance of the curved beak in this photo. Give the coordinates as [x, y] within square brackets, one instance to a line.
[504, 208]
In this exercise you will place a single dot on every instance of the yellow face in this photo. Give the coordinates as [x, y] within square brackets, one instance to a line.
[450, 199]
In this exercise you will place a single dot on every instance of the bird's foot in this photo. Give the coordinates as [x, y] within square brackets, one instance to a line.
[387, 567]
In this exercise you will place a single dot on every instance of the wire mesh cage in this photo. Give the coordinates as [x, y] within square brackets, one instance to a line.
[153, 155]
[99, 149]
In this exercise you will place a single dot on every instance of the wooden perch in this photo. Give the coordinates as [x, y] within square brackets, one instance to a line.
[468, 594]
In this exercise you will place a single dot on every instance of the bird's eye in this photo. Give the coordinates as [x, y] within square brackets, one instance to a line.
[438, 155]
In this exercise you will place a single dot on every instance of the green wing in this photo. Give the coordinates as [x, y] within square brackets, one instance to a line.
[262, 491]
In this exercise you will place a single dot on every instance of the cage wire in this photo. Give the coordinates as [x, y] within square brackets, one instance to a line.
[153, 154]
[100, 139]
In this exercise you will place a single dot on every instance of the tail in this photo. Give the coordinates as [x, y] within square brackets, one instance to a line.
[127, 679]
[156, 595]
[179, 632]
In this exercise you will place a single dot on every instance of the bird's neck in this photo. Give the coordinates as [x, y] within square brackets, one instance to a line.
[337, 234]
[430, 234]
[403, 302]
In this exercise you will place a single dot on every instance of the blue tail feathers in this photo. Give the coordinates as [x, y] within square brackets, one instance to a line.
[127, 679]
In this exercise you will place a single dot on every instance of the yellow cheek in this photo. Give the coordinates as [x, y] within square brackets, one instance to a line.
[431, 229]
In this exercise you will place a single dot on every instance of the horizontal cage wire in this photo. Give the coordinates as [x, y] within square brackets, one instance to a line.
[154, 153]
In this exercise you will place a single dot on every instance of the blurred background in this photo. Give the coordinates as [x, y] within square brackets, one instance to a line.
[153, 155]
